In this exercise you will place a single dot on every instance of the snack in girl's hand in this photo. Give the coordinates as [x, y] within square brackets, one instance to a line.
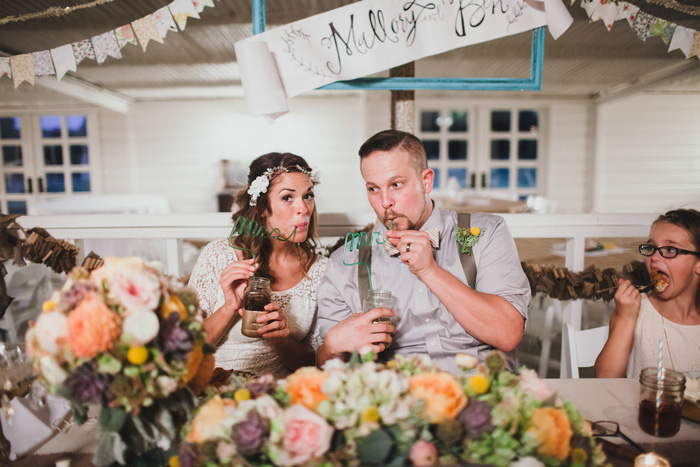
[658, 280]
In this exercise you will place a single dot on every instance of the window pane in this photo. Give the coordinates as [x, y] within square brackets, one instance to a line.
[51, 126]
[432, 149]
[457, 150]
[436, 180]
[55, 183]
[527, 149]
[14, 183]
[16, 207]
[9, 128]
[78, 154]
[500, 149]
[81, 181]
[460, 175]
[527, 178]
[429, 121]
[77, 125]
[499, 178]
[458, 121]
[500, 120]
[12, 156]
[527, 121]
[53, 155]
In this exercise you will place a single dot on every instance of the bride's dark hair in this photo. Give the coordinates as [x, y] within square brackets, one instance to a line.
[260, 245]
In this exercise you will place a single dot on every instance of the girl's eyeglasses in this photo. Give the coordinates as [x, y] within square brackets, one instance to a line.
[665, 251]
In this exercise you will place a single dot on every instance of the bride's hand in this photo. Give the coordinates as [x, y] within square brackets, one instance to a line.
[233, 281]
[275, 323]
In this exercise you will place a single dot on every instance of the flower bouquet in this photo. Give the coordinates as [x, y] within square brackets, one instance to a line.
[126, 340]
[406, 411]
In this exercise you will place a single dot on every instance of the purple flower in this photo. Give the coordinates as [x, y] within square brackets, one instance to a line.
[250, 434]
[174, 341]
[476, 418]
[265, 384]
[86, 385]
[75, 294]
[188, 456]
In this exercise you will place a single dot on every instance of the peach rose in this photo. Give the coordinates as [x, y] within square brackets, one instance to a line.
[551, 427]
[206, 420]
[304, 387]
[92, 328]
[531, 383]
[444, 397]
[306, 435]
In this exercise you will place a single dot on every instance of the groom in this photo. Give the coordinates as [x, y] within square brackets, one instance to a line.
[438, 312]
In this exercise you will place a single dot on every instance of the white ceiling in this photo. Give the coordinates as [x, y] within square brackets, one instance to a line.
[586, 62]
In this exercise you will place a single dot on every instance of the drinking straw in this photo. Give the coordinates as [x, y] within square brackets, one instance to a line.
[658, 385]
[230, 243]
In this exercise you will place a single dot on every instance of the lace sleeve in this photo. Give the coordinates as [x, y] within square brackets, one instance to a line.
[313, 338]
[206, 272]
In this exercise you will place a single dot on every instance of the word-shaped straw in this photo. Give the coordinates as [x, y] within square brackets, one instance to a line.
[368, 241]
[256, 230]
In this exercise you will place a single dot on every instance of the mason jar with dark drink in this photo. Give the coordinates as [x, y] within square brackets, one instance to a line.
[661, 417]
[256, 297]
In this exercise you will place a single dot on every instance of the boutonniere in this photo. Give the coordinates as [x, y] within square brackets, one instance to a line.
[468, 238]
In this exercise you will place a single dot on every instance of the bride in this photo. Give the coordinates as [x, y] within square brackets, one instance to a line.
[280, 197]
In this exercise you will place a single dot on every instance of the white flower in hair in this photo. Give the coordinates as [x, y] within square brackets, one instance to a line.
[258, 187]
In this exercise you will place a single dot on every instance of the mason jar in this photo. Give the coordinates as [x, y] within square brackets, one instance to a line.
[660, 401]
[256, 297]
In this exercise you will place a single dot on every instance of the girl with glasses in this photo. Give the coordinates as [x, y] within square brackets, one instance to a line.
[671, 311]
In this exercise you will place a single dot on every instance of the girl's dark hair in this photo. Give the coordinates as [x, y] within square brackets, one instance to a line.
[687, 219]
[260, 245]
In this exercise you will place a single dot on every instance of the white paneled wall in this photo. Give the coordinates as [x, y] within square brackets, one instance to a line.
[648, 153]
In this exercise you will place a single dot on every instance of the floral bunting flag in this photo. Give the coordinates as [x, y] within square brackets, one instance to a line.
[43, 65]
[662, 28]
[82, 50]
[695, 49]
[105, 45]
[63, 60]
[682, 39]
[631, 13]
[5, 68]
[181, 10]
[164, 21]
[622, 9]
[22, 69]
[590, 7]
[642, 24]
[145, 29]
[125, 35]
[608, 13]
[199, 5]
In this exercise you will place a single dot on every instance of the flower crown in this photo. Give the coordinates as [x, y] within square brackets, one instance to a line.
[262, 182]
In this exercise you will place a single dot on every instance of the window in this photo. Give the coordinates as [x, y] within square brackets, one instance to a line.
[44, 155]
[483, 148]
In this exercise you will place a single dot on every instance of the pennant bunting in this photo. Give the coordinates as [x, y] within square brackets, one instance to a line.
[106, 45]
[82, 50]
[199, 5]
[125, 35]
[642, 24]
[631, 13]
[181, 10]
[682, 39]
[22, 69]
[5, 68]
[63, 60]
[145, 29]
[695, 48]
[623, 8]
[43, 65]
[590, 7]
[608, 13]
[164, 21]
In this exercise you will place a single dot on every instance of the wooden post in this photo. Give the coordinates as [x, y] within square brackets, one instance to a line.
[403, 102]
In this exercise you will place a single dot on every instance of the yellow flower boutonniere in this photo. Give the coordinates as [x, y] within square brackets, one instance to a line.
[468, 238]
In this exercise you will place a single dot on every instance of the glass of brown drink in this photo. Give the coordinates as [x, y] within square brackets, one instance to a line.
[660, 404]
[257, 295]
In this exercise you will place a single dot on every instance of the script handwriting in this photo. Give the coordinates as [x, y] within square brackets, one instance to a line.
[472, 13]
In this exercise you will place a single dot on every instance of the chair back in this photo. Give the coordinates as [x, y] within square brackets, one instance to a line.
[581, 348]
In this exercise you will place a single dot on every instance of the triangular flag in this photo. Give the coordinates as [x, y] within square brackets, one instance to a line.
[145, 29]
[43, 65]
[589, 6]
[82, 50]
[608, 13]
[682, 39]
[125, 35]
[631, 13]
[695, 48]
[642, 24]
[105, 45]
[164, 21]
[199, 5]
[5, 68]
[181, 10]
[63, 60]
[22, 69]
[622, 9]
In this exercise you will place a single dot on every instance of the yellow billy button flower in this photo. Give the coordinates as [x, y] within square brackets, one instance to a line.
[371, 414]
[479, 384]
[48, 305]
[174, 462]
[137, 355]
[241, 394]
[475, 231]
[578, 456]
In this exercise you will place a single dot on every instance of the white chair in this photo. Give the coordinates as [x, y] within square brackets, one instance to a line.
[581, 348]
[30, 285]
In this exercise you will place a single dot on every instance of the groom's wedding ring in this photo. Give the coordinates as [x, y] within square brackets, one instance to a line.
[408, 247]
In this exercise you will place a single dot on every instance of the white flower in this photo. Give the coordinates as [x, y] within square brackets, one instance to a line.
[465, 361]
[258, 187]
[527, 462]
[166, 384]
[140, 327]
[52, 331]
[52, 371]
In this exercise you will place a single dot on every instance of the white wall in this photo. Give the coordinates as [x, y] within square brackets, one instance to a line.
[648, 153]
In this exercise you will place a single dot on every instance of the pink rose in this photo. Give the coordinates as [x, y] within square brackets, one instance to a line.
[423, 453]
[533, 385]
[139, 291]
[307, 435]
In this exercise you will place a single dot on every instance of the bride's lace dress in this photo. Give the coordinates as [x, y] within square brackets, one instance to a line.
[243, 353]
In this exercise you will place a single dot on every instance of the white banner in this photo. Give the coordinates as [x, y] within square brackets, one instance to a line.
[374, 35]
